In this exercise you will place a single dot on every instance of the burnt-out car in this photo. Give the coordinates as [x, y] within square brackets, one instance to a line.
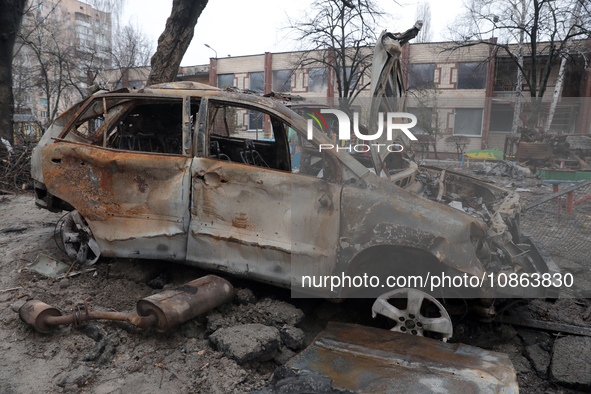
[190, 173]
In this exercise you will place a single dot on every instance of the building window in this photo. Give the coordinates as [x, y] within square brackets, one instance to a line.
[421, 76]
[225, 81]
[471, 75]
[468, 121]
[43, 102]
[501, 119]
[255, 120]
[317, 79]
[505, 75]
[282, 81]
[257, 82]
[44, 114]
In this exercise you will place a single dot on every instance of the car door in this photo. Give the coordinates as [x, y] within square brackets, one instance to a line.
[251, 215]
[128, 176]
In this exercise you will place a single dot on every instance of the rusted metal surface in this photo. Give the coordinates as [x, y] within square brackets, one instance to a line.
[263, 223]
[176, 306]
[161, 311]
[36, 314]
[370, 360]
[134, 203]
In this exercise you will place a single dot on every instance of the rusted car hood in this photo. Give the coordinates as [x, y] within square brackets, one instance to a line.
[370, 360]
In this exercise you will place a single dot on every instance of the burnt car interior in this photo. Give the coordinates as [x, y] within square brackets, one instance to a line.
[140, 126]
[238, 134]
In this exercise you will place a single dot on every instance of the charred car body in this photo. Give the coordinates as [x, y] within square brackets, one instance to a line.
[166, 174]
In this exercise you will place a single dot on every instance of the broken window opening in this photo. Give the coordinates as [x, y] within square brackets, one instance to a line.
[257, 82]
[282, 81]
[225, 81]
[243, 135]
[317, 79]
[421, 76]
[471, 75]
[149, 126]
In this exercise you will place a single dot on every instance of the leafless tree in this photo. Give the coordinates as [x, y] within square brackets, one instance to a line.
[339, 35]
[546, 26]
[459, 142]
[131, 49]
[426, 109]
[44, 45]
[423, 13]
[175, 40]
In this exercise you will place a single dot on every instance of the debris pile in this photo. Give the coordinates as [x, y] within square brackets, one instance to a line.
[506, 169]
[15, 168]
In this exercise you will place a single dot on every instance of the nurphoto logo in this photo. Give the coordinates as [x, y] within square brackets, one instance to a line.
[344, 128]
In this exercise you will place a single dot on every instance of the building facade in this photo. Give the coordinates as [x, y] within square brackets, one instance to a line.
[465, 95]
[63, 46]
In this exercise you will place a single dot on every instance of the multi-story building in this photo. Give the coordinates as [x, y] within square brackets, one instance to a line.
[64, 44]
[467, 93]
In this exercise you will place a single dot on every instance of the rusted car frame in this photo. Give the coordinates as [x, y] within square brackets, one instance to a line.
[159, 174]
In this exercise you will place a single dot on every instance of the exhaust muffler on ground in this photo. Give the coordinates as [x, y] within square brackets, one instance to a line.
[160, 311]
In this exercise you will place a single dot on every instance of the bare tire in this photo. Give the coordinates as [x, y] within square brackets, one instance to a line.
[78, 240]
[411, 320]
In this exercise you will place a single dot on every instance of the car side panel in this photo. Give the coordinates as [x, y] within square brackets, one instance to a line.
[136, 204]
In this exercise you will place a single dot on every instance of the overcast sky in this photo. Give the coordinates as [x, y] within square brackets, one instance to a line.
[239, 27]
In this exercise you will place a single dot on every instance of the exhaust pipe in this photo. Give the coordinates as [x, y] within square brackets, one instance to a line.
[161, 311]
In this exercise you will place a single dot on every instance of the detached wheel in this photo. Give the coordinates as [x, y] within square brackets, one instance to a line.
[78, 240]
[414, 312]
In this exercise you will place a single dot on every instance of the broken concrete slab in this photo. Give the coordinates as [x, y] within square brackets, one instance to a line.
[247, 342]
[539, 358]
[571, 362]
[292, 337]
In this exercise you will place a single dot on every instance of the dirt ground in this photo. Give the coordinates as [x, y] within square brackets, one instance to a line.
[114, 357]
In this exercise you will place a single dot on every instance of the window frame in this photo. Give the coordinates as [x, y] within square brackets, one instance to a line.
[221, 76]
[456, 121]
[469, 75]
[420, 83]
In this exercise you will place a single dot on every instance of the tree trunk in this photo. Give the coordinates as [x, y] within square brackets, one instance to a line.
[519, 86]
[561, 71]
[175, 40]
[11, 13]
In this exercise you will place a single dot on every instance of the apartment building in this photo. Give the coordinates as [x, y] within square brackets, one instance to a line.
[67, 42]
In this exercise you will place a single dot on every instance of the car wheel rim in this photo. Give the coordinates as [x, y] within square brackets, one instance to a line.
[78, 240]
[411, 320]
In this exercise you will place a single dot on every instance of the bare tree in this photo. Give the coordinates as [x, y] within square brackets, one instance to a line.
[338, 35]
[429, 123]
[423, 13]
[459, 142]
[45, 46]
[564, 55]
[11, 12]
[175, 40]
[545, 26]
[131, 49]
